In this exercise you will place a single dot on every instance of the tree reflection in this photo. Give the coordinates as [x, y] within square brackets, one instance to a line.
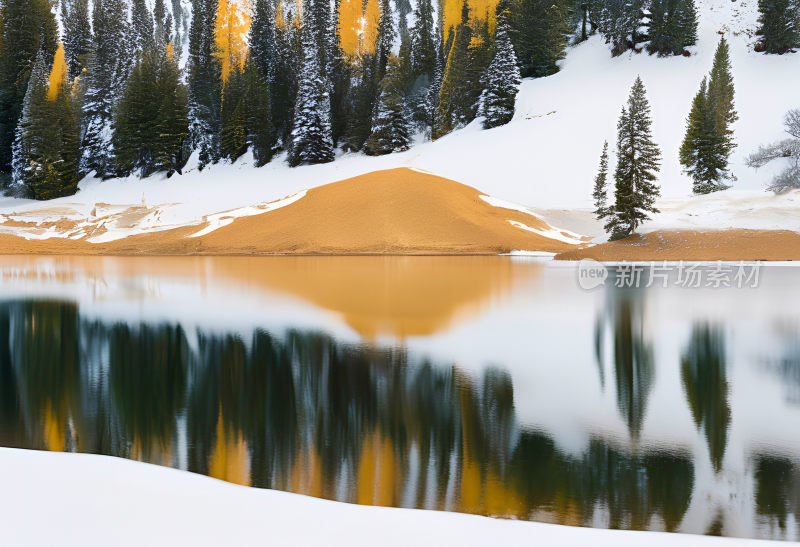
[704, 377]
[306, 413]
[633, 358]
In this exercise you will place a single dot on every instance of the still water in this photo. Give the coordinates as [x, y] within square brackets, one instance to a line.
[492, 385]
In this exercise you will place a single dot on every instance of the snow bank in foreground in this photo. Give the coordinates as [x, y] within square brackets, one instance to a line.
[78, 499]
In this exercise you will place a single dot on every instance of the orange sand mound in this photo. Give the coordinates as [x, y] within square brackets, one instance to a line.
[398, 211]
[696, 245]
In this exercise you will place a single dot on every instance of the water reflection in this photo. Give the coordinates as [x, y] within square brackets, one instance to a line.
[304, 413]
[639, 409]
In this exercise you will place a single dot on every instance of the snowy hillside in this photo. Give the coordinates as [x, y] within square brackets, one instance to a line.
[546, 157]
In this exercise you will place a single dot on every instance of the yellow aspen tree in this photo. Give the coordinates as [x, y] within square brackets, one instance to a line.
[58, 74]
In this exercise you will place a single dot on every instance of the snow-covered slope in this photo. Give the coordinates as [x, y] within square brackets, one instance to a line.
[547, 156]
[91, 500]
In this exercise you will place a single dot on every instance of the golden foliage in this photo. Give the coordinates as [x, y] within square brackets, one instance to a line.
[479, 10]
[58, 74]
[280, 22]
[170, 52]
[230, 35]
[358, 27]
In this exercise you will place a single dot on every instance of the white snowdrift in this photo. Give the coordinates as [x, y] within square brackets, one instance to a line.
[545, 158]
[78, 499]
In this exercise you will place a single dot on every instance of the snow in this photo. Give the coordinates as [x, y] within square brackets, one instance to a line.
[91, 500]
[546, 157]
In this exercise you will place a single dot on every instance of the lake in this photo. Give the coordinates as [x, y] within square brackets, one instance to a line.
[489, 385]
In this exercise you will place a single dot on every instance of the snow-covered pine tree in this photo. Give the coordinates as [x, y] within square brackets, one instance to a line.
[386, 37]
[778, 25]
[283, 89]
[180, 27]
[25, 27]
[78, 40]
[638, 159]
[205, 84]
[162, 25]
[107, 74]
[141, 26]
[620, 23]
[479, 55]
[45, 157]
[502, 78]
[312, 141]
[390, 128]
[263, 49]
[600, 193]
[434, 91]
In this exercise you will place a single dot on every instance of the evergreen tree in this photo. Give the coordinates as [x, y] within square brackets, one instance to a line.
[708, 143]
[541, 29]
[151, 123]
[162, 21]
[673, 26]
[141, 26]
[78, 40]
[25, 27]
[263, 49]
[45, 157]
[283, 87]
[107, 74]
[778, 25]
[233, 118]
[423, 42]
[390, 131]
[453, 108]
[386, 38]
[258, 123]
[312, 140]
[502, 78]
[620, 21]
[637, 164]
[205, 83]
[600, 193]
[479, 55]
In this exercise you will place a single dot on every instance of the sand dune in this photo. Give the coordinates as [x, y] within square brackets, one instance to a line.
[398, 211]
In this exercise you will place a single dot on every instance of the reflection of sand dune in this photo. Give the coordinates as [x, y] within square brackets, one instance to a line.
[399, 295]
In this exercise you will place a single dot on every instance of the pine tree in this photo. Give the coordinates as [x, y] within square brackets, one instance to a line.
[78, 40]
[283, 87]
[673, 26]
[779, 25]
[25, 27]
[162, 21]
[141, 26]
[502, 78]
[637, 164]
[600, 193]
[312, 140]
[423, 42]
[107, 74]
[454, 105]
[479, 55]
[205, 83]
[151, 123]
[45, 157]
[698, 151]
[390, 131]
[258, 123]
[233, 128]
[620, 21]
[708, 143]
[541, 30]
